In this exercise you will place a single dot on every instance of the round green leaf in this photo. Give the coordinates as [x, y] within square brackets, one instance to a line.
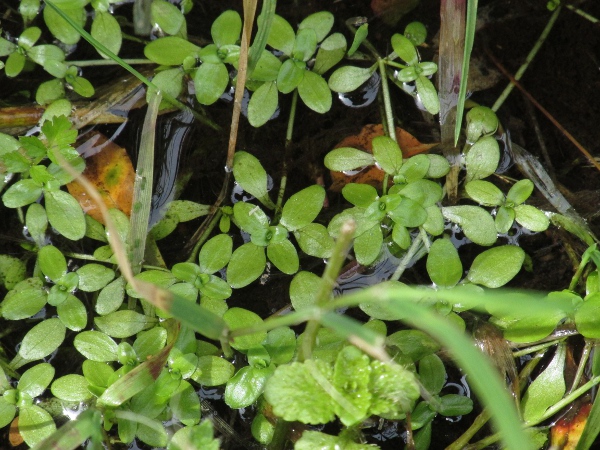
[315, 93]
[321, 22]
[443, 263]
[349, 78]
[111, 297]
[246, 265]
[52, 262]
[331, 51]
[281, 345]
[72, 313]
[35, 380]
[263, 104]
[49, 91]
[14, 64]
[284, 256]
[60, 28]
[7, 412]
[170, 50]
[251, 176]
[476, 223]
[93, 277]
[303, 290]
[314, 240]
[107, 31]
[303, 207]
[387, 154]
[267, 67]
[210, 82]
[43, 54]
[497, 266]
[216, 288]
[484, 193]
[122, 324]
[169, 81]
[427, 94]
[455, 405]
[22, 193]
[304, 45]
[96, 346]
[185, 404]
[531, 218]
[213, 371]
[65, 214]
[226, 28]
[250, 218]
[361, 195]
[504, 219]
[243, 318]
[25, 300]
[42, 339]
[519, 192]
[290, 75]
[29, 37]
[347, 158]
[434, 224]
[367, 246]
[282, 36]
[438, 166]
[215, 253]
[244, 388]
[71, 388]
[481, 121]
[405, 49]
[35, 424]
[482, 158]
[416, 32]
[167, 16]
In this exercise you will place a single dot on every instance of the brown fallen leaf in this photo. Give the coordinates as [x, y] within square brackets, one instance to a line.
[110, 170]
[14, 436]
[372, 175]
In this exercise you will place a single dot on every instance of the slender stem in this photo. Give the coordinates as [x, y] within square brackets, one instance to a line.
[585, 356]
[408, 256]
[584, 260]
[536, 348]
[583, 14]
[109, 62]
[387, 102]
[334, 265]
[288, 140]
[477, 424]
[528, 60]
[204, 236]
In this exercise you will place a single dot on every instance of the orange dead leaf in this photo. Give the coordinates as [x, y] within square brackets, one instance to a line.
[110, 170]
[14, 436]
[566, 432]
[409, 145]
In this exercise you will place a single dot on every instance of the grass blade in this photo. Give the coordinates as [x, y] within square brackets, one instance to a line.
[462, 92]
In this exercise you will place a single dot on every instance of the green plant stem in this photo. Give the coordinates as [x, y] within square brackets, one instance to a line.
[582, 14]
[98, 45]
[328, 281]
[387, 102]
[205, 234]
[477, 424]
[408, 256]
[288, 140]
[585, 356]
[108, 62]
[528, 60]
[536, 348]
[584, 260]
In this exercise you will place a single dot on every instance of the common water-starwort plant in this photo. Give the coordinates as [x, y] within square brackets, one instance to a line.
[145, 340]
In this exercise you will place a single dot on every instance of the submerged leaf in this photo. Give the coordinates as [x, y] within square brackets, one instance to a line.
[110, 170]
